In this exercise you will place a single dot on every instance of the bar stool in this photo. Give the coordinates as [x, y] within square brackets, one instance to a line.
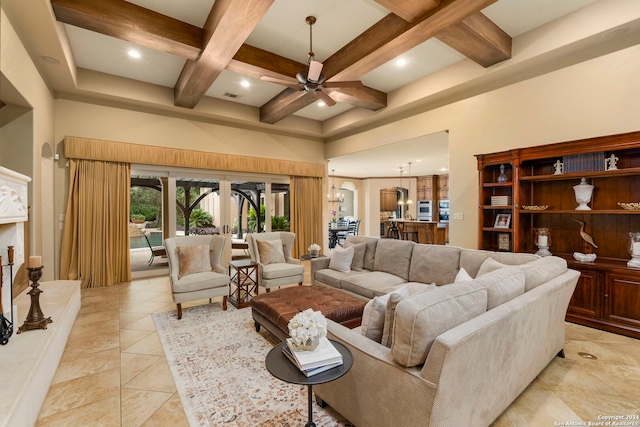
[392, 231]
[410, 235]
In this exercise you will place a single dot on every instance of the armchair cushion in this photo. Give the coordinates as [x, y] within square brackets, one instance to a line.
[271, 251]
[280, 270]
[200, 281]
[193, 259]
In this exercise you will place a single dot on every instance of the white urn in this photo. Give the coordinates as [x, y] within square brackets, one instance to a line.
[583, 194]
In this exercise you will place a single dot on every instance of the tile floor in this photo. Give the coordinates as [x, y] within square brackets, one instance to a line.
[114, 372]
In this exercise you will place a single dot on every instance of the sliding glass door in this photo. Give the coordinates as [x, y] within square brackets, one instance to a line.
[201, 202]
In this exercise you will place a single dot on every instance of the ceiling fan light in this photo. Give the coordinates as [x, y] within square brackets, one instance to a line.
[315, 71]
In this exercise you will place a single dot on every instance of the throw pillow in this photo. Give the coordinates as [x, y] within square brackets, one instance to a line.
[488, 266]
[270, 251]
[373, 316]
[462, 276]
[390, 315]
[193, 259]
[358, 254]
[502, 285]
[341, 259]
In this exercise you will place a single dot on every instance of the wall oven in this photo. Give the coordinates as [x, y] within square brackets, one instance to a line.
[443, 211]
[425, 210]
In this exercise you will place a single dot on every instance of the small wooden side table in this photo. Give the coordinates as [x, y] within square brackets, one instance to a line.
[243, 282]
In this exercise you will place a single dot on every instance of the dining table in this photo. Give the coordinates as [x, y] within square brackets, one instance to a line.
[334, 234]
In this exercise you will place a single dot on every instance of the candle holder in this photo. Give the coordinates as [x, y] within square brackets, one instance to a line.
[35, 318]
[634, 249]
[543, 241]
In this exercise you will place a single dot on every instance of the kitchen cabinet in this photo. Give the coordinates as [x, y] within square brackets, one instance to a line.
[388, 199]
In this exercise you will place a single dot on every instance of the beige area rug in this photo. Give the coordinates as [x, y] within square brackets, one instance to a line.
[217, 361]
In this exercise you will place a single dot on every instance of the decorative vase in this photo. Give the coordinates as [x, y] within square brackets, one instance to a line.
[502, 178]
[313, 253]
[583, 194]
[334, 225]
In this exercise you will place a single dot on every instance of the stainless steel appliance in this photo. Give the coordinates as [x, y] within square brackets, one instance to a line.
[443, 211]
[425, 210]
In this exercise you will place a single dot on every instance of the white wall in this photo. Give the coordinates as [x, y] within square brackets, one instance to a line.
[593, 98]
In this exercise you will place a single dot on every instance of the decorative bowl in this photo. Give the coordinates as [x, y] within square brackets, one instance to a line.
[534, 207]
[629, 206]
[584, 257]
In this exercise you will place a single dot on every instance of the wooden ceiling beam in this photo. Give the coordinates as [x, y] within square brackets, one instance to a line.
[284, 104]
[228, 25]
[409, 10]
[256, 62]
[479, 39]
[392, 36]
[127, 21]
[363, 97]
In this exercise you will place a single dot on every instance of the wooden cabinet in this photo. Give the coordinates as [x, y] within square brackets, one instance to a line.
[443, 187]
[388, 199]
[608, 293]
[425, 186]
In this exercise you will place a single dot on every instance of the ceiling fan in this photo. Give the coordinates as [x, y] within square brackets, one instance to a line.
[312, 80]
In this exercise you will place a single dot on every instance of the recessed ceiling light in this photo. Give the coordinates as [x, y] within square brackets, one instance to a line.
[51, 59]
[418, 160]
[615, 33]
[443, 169]
[401, 62]
[134, 53]
[245, 83]
[321, 104]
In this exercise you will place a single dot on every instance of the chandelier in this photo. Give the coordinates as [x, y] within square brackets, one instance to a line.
[334, 196]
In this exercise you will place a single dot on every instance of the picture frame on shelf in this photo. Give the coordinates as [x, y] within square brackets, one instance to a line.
[504, 242]
[502, 221]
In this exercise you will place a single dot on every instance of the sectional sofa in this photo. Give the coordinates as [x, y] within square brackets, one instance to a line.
[464, 332]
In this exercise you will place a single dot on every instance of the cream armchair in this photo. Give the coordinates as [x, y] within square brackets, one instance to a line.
[193, 277]
[275, 269]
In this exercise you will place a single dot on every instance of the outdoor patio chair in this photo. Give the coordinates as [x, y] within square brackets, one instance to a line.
[155, 250]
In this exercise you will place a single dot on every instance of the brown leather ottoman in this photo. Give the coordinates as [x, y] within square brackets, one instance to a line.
[273, 310]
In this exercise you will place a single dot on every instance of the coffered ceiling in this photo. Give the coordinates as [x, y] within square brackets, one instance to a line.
[209, 59]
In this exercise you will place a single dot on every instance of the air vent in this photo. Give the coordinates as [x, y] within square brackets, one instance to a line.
[231, 95]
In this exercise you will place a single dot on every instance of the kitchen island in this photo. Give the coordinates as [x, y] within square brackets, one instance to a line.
[428, 231]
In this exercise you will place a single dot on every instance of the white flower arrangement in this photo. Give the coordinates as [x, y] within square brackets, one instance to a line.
[306, 328]
[314, 247]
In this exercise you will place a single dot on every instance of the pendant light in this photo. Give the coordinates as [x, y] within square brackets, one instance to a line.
[401, 200]
[334, 196]
[409, 201]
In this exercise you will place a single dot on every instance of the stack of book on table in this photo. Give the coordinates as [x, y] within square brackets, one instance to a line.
[311, 363]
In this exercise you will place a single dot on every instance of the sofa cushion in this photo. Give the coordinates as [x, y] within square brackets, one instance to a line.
[390, 317]
[370, 252]
[421, 318]
[359, 250]
[334, 278]
[471, 259]
[502, 285]
[536, 272]
[414, 288]
[434, 263]
[271, 251]
[193, 259]
[341, 259]
[394, 257]
[373, 317]
[542, 270]
[368, 284]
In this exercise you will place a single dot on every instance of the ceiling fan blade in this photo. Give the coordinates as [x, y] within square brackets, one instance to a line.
[280, 81]
[353, 83]
[325, 97]
[315, 68]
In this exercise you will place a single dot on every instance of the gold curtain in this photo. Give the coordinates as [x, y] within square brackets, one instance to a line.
[305, 212]
[95, 242]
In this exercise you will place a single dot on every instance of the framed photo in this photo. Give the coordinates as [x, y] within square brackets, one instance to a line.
[503, 242]
[502, 221]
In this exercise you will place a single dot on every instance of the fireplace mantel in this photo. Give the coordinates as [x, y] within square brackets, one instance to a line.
[13, 196]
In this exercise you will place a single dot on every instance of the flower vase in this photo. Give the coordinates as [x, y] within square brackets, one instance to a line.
[309, 345]
[313, 253]
[334, 225]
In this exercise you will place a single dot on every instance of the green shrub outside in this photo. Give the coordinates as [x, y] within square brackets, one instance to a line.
[148, 212]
